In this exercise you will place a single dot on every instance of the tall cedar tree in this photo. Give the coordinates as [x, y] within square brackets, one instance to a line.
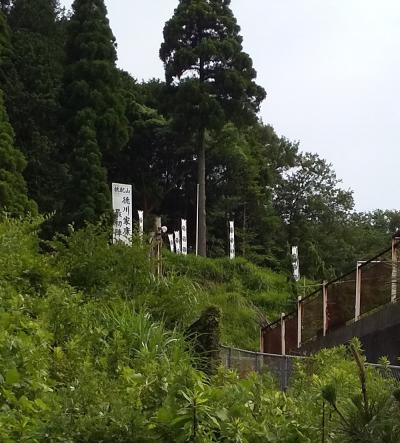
[213, 77]
[13, 194]
[13, 191]
[34, 76]
[96, 124]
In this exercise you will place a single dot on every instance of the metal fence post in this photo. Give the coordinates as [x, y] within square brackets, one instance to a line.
[299, 322]
[395, 258]
[325, 307]
[285, 378]
[261, 339]
[283, 335]
[357, 308]
[229, 362]
[257, 368]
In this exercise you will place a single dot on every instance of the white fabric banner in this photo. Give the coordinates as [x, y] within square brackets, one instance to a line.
[122, 207]
[231, 240]
[171, 242]
[184, 236]
[141, 223]
[177, 242]
[295, 263]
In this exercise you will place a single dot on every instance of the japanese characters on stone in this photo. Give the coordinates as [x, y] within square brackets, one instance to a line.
[122, 207]
[231, 240]
[184, 236]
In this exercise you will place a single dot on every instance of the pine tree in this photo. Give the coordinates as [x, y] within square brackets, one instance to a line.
[94, 109]
[32, 80]
[203, 56]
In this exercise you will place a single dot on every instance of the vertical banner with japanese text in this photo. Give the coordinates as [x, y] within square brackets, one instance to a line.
[141, 223]
[122, 207]
[177, 242]
[184, 236]
[171, 242]
[231, 240]
[295, 263]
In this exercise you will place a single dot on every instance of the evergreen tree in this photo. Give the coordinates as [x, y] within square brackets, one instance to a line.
[94, 109]
[13, 193]
[316, 212]
[33, 78]
[88, 192]
[213, 78]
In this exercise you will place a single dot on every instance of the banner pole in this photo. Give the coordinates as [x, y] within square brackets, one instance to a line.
[197, 220]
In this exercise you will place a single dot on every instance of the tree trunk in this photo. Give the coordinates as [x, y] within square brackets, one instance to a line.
[202, 194]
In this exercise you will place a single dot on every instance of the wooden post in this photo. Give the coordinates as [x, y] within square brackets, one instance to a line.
[299, 320]
[357, 309]
[283, 333]
[325, 307]
[158, 245]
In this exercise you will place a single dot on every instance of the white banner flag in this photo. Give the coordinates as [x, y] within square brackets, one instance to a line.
[295, 263]
[141, 223]
[177, 242]
[231, 240]
[122, 207]
[184, 236]
[171, 242]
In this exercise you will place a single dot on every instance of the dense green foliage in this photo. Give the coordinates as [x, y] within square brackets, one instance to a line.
[93, 346]
[94, 111]
[210, 78]
[32, 78]
[81, 124]
[91, 351]
[13, 192]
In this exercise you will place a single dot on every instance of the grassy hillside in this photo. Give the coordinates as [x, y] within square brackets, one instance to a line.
[245, 293]
[92, 350]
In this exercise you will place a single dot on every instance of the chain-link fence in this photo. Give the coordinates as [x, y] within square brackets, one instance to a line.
[280, 366]
[370, 286]
[387, 371]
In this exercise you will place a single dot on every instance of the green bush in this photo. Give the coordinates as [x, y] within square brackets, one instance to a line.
[92, 350]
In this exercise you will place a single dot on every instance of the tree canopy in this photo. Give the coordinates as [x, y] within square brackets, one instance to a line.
[74, 123]
[211, 77]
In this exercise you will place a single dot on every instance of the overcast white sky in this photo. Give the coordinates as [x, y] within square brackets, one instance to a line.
[331, 69]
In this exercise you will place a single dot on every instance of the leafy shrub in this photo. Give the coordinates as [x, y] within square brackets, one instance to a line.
[92, 350]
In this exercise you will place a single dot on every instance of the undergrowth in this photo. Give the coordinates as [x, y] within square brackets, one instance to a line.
[92, 349]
